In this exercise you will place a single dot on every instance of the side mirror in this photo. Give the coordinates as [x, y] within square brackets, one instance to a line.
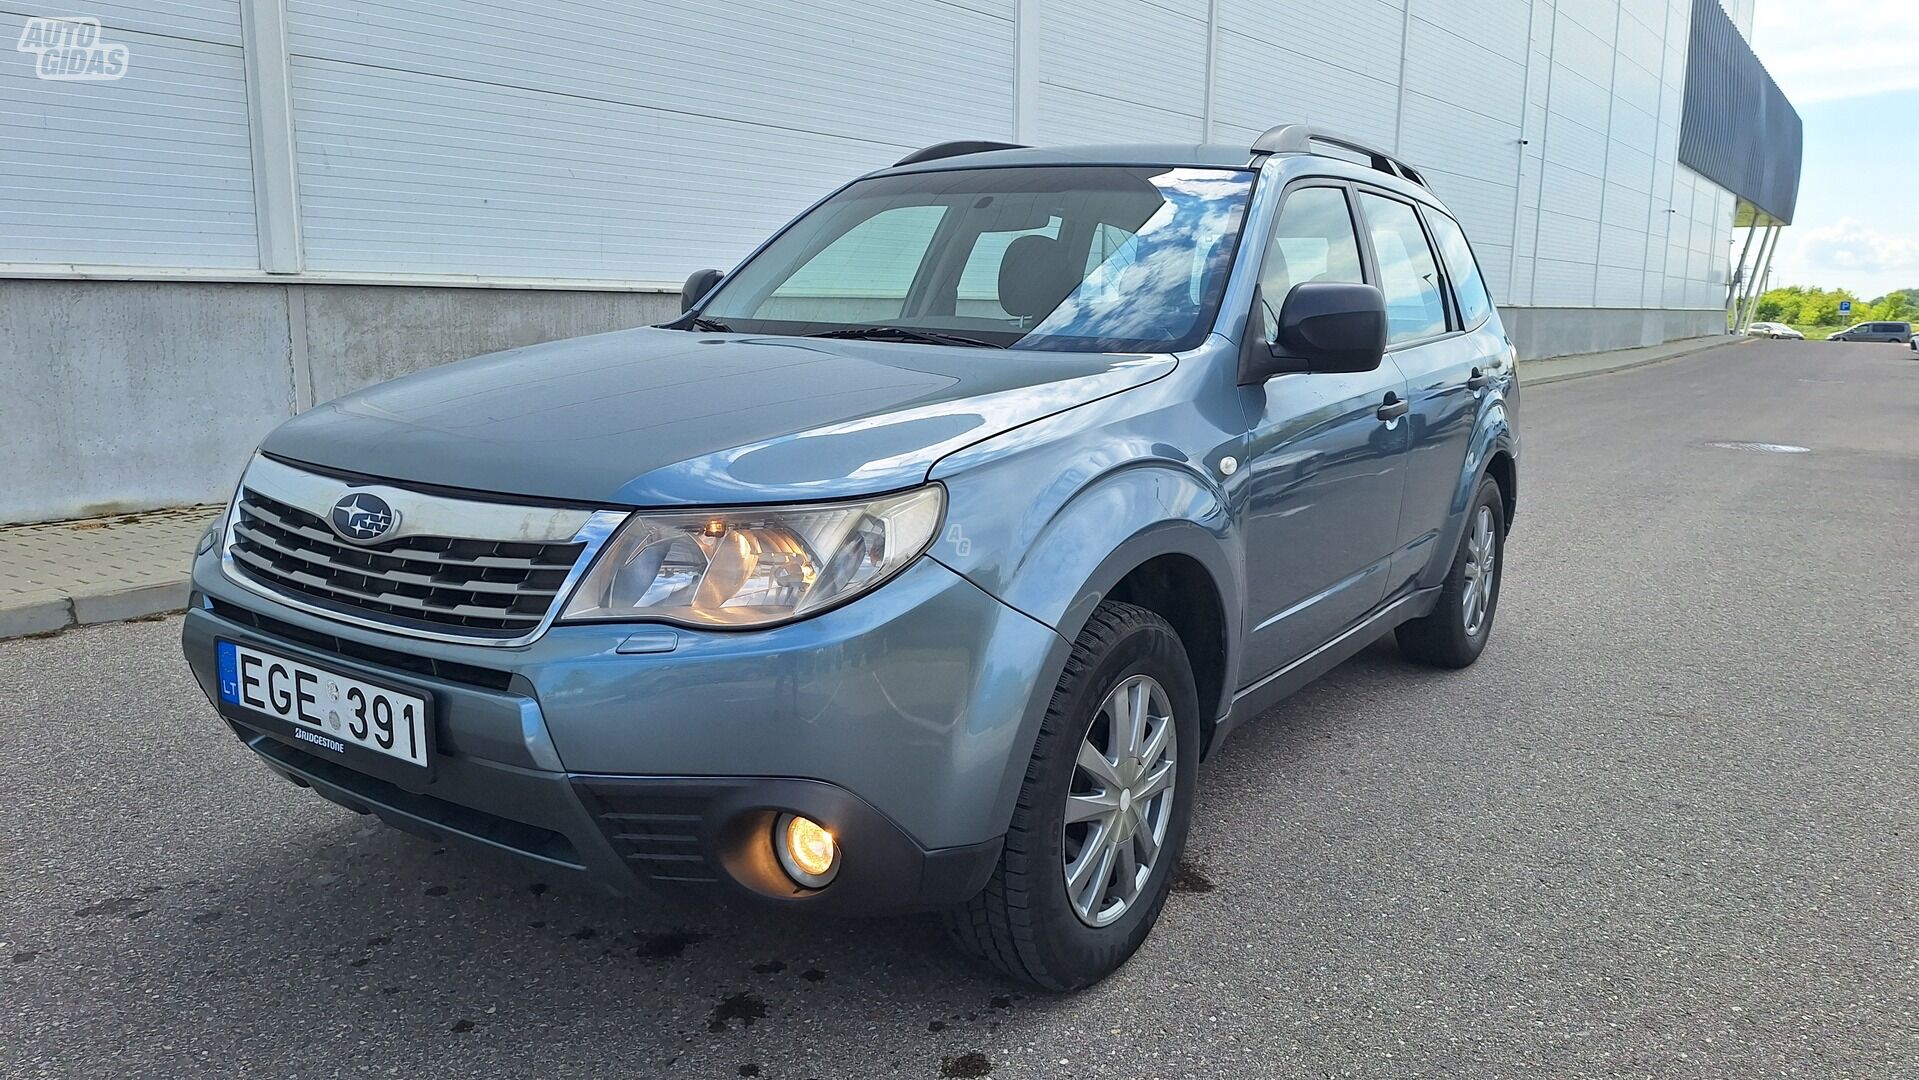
[698, 285]
[1323, 326]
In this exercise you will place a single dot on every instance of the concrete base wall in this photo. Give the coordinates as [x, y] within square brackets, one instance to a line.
[1542, 332]
[126, 395]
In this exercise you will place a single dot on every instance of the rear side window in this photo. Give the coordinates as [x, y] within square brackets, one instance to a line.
[1469, 288]
[1408, 272]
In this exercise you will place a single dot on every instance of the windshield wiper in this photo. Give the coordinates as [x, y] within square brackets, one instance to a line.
[905, 333]
[714, 326]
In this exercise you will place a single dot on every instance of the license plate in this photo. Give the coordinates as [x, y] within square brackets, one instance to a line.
[327, 710]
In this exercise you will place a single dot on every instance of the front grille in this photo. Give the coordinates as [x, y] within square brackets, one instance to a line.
[451, 671]
[657, 835]
[482, 588]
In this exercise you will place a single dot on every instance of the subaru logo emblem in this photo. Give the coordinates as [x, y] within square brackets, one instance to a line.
[363, 517]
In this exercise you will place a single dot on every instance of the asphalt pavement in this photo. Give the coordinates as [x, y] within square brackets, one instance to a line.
[1667, 827]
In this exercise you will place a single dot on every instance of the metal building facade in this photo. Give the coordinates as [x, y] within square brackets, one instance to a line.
[339, 178]
[1738, 129]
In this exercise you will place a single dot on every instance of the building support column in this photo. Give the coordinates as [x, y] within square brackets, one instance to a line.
[1764, 265]
[1736, 288]
[276, 171]
[1212, 70]
[1026, 17]
[1765, 272]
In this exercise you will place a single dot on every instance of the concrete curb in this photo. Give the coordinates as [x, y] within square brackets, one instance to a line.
[43, 617]
[38, 617]
[1624, 364]
[119, 605]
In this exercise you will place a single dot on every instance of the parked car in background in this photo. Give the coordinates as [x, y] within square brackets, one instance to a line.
[918, 563]
[1897, 332]
[1773, 330]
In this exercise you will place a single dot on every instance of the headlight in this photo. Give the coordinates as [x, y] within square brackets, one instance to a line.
[754, 565]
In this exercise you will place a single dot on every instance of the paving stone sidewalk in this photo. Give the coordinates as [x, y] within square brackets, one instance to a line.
[70, 573]
[65, 573]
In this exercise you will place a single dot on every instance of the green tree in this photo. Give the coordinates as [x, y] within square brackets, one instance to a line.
[1900, 305]
[1814, 308]
[1805, 306]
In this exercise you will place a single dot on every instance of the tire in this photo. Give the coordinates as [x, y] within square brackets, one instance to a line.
[1450, 637]
[1024, 924]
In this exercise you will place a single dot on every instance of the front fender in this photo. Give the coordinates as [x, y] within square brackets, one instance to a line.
[1034, 513]
[1059, 557]
[1049, 516]
[1106, 530]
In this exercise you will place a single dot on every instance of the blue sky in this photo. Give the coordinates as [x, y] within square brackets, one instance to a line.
[1851, 68]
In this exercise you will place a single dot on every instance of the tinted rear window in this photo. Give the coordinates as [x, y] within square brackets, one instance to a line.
[1469, 288]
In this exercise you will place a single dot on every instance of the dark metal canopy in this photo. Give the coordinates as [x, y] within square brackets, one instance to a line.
[1738, 130]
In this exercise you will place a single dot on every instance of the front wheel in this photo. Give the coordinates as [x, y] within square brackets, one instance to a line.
[1455, 633]
[1102, 817]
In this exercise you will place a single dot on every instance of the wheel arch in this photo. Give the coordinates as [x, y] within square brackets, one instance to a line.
[1505, 472]
[1151, 535]
[1494, 453]
[1178, 588]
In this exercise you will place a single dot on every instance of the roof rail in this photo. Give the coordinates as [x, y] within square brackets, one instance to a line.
[955, 149]
[1298, 139]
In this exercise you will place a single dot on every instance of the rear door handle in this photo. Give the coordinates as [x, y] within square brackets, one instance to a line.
[1393, 407]
[1479, 380]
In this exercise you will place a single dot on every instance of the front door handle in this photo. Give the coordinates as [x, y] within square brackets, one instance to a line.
[1478, 381]
[1393, 407]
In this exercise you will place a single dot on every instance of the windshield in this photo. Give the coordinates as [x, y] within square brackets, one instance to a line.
[1075, 258]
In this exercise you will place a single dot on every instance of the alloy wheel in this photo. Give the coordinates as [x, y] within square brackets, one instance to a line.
[1482, 553]
[1120, 801]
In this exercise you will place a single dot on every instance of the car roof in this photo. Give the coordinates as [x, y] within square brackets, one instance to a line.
[1164, 155]
[1193, 155]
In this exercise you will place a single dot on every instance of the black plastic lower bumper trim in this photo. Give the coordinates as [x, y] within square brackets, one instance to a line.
[708, 833]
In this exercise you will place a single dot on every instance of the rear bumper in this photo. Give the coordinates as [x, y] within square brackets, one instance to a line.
[902, 722]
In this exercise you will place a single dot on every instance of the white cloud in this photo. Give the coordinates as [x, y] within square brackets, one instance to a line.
[1850, 246]
[1828, 50]
[1847, 255]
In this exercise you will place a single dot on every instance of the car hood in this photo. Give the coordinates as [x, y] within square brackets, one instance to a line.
[652, 417]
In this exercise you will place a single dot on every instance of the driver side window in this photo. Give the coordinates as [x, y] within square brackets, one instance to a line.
[1313, 241]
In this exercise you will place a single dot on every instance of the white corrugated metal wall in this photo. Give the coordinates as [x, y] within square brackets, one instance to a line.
[152, 170]
[599, 142]
[604, 140]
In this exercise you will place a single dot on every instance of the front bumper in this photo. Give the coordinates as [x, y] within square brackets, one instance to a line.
[902, 721]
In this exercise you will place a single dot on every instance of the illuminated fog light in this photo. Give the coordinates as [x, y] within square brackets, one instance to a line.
[808, 852]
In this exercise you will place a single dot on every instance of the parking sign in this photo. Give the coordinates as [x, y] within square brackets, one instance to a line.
[1845, 307]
